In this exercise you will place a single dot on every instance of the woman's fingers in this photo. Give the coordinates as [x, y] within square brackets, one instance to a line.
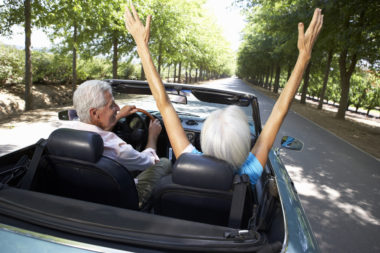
[135, 15]
[147, 28]
[301, 35]
[128, 18]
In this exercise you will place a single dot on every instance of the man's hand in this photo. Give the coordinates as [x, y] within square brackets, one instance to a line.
[126, 111]
[306, 40]
[154, 131]
[135, 27]
[155, 128]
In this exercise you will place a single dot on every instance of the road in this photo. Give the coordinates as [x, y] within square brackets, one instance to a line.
[339, 185]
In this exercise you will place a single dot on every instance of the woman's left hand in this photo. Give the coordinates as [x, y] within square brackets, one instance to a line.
[135, 27]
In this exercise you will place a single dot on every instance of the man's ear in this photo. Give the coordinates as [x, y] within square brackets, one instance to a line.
[94, 115]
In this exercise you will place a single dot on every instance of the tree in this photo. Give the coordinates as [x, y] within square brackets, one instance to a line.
[74, 22]
[14, 12]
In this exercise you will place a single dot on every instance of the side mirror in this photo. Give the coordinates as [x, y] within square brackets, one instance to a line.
[68, 115]
[291, 143]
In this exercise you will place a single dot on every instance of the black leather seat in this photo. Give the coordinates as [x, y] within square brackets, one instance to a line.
[200, 189]
[73, 166]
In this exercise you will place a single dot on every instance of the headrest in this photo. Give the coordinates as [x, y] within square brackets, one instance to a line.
[77, 144]
[203, 171]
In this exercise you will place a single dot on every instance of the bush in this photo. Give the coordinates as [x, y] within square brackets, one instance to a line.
[49, 68]
[11, 65]
[126, 71]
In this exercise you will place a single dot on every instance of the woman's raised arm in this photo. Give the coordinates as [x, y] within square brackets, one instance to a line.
[281, 108]
[140, 33]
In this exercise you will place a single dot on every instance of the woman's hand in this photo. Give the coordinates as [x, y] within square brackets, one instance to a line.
[135, 27]
[306, 40]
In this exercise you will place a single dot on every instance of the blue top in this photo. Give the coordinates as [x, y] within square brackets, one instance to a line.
[252, 167]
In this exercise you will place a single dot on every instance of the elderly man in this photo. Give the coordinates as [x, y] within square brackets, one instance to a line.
[99, 113]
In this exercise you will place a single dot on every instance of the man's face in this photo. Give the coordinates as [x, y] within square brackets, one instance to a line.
[105, 117]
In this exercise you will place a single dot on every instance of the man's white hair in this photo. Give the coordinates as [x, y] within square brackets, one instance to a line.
[226, 135]
[90, 94]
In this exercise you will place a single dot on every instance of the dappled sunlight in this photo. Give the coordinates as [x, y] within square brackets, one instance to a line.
[306, 187]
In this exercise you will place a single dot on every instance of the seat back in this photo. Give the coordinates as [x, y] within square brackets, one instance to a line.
[73, 166]
[200, 189]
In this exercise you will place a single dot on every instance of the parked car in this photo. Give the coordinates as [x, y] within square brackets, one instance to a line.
[61, 194]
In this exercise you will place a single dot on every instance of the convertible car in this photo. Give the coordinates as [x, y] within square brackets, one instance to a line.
[62, 195]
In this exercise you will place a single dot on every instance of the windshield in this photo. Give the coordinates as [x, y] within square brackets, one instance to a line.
[193, 107]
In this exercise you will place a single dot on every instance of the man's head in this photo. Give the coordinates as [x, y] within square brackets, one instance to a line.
[226, 135]
[95, 105]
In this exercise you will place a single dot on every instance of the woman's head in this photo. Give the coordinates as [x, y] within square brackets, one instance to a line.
[226, 135]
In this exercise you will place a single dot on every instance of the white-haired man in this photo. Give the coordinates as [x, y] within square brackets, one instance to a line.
[98, 112]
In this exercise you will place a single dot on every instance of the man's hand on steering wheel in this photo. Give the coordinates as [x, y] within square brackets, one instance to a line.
[154, 131]
[126, 111]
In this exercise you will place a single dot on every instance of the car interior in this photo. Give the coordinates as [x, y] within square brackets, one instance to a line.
[202, 193]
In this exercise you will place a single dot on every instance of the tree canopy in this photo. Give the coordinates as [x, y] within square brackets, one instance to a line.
[348, 41]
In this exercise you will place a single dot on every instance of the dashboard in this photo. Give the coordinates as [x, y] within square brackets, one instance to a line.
[134, 130]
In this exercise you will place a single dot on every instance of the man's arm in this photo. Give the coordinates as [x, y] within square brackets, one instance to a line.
[281, 108]
[174, 129]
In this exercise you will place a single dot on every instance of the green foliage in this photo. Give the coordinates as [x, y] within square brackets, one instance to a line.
[350, 31]
[11, 65]
[51, 68]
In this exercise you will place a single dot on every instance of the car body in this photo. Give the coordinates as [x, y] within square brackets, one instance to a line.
[44, 221]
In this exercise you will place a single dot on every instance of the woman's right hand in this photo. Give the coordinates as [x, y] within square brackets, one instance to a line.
[306, 40]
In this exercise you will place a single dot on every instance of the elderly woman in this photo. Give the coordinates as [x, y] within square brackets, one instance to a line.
[221, 138]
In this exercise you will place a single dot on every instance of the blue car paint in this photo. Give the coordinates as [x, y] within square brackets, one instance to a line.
[298, 235]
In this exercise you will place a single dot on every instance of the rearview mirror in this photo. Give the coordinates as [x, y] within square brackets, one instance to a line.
[292, 143]
[177, 98]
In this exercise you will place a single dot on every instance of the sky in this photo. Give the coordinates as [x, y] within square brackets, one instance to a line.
[228, 18]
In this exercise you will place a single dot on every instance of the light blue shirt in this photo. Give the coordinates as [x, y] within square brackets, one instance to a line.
[252, 167]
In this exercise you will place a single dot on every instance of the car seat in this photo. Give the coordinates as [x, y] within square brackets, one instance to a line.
[202, 188]
[73, 165]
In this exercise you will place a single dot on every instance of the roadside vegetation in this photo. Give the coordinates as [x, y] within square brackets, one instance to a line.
[344, 68]
[91, 42]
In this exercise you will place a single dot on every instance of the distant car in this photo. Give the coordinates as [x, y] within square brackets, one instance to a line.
[62, 194]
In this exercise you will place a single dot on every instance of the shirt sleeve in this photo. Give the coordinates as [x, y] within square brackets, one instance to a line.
[124, 153]
[191, 149]
[252, 167]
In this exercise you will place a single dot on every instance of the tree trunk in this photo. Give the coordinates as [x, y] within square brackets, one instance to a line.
[115, 55]
[175, 72]
[271, 78]
[277, 79]
[305, 83]
[28, 59]
[325, 79]
[345, 77]
[196, 75]
[168, 73]
[159, 58]
[179, 72]
[142, 76]
[74, 58]
[289, 71]
[267, 78]
[190, 75]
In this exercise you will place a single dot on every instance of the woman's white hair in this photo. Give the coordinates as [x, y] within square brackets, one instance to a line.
[90, 94]
[226, 135]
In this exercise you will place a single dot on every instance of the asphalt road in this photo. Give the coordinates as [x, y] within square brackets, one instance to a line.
[338, 184]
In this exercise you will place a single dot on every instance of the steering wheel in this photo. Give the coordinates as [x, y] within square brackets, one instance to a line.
[134, 129]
